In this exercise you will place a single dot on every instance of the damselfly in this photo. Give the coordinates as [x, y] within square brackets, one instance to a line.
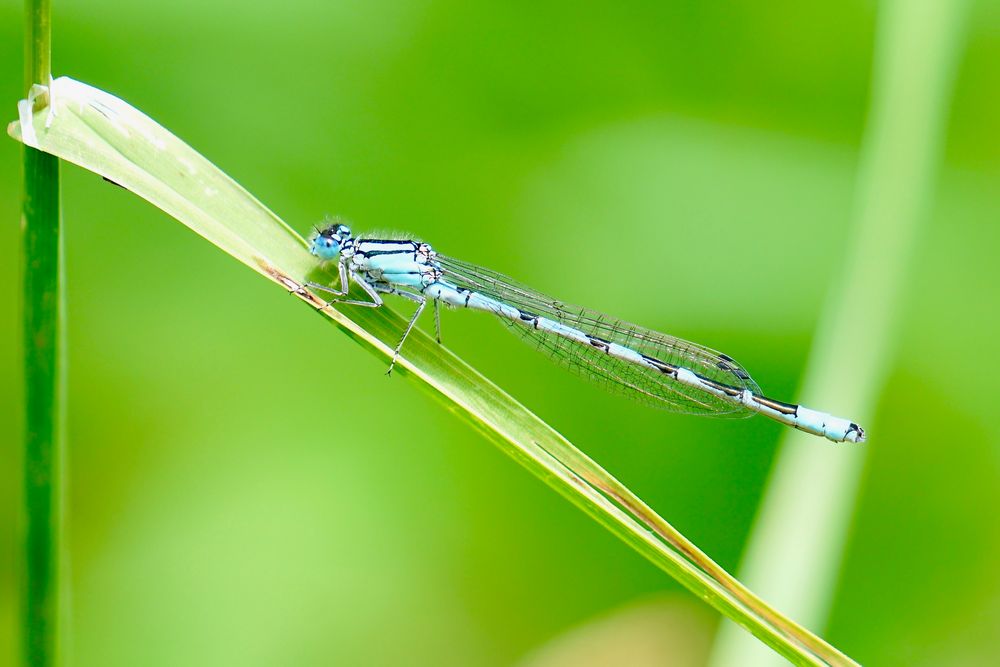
[654, 368]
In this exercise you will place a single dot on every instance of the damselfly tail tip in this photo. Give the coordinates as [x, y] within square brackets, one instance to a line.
[854, 433]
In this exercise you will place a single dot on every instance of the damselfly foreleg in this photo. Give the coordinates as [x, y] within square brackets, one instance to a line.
[344, 289]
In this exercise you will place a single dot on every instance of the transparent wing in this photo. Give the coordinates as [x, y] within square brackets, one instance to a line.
[635, 381]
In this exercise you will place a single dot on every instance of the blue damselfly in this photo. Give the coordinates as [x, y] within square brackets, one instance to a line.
[652, 367]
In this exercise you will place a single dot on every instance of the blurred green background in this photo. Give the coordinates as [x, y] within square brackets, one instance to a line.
[217, 513]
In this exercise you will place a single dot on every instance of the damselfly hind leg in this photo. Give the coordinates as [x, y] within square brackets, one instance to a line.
[437, 319]
[421, 304]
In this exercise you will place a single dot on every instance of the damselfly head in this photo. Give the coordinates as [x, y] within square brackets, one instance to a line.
[328, 240]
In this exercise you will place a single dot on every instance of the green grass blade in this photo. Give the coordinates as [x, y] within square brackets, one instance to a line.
[799, 536]
[42, 461]
[105, 135]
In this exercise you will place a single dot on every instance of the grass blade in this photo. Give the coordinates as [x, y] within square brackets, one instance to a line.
[107, 136]
[799, 536]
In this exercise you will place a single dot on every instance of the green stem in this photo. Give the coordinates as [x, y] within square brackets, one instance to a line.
[43, 378]
[794, 553]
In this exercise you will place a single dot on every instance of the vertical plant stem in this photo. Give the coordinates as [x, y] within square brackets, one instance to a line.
[43, 374]
[796, 547]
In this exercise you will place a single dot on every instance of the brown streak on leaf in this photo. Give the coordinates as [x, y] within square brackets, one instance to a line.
[293, 286]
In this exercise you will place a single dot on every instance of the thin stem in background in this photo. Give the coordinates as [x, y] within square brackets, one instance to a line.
[797, 544]
[43, 374]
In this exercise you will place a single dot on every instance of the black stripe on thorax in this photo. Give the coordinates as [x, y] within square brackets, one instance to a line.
[405, 247]
[377, 253]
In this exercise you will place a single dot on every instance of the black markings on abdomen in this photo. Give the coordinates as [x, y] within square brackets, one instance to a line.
[662, 366]
[671, 370]
[777, 406]
[729, 365]
[528, 317]
[600, 343]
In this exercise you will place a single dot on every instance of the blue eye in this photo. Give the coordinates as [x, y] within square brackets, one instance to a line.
[325, 248]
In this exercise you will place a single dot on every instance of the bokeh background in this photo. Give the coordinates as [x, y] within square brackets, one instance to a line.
[219, 514]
